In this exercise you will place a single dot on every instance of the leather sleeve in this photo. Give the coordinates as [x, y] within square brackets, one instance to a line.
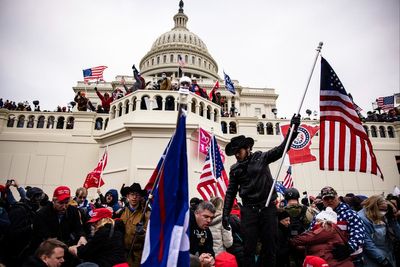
[231, 191]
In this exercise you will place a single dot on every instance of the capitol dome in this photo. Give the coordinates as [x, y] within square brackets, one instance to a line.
[179, 42]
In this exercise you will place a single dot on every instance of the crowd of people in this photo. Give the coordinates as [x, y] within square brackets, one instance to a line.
[327, 230]
[71, 230]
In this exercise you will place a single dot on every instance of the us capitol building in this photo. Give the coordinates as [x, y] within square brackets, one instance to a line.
[47, 149]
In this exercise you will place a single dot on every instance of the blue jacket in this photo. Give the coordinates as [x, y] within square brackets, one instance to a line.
[378, 245]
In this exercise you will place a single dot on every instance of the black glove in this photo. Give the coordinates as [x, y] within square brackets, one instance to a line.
[295, 121]
[341, 252]
[95, 89]
[386, 263]
[225, 222]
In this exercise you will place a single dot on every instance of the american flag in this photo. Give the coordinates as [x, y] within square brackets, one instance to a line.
[288, 180]
[343, 145]
[95, 73]
[386, 102]
[181, 61]
[213, 180]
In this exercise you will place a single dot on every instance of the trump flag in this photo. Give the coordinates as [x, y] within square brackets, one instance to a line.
[300, 149]
[94, 179]
[167, 236]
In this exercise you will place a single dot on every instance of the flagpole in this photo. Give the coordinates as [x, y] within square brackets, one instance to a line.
[290, 133]
[102, 168]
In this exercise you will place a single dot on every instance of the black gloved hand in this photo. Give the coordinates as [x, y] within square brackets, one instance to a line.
[95, 89]
[341, 252]
[295, 121]
[386, 263]
[225, 222]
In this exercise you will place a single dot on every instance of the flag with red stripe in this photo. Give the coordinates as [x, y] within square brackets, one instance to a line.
[288, 180]
[344, 144]
[94, 179]
[95, 73]
[213, 180]
[216, 86]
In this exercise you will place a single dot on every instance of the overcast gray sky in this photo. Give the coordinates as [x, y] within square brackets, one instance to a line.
[45, 44]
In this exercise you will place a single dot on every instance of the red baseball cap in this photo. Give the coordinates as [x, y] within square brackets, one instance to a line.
[62, 193]
[99, 214]
[314, 261]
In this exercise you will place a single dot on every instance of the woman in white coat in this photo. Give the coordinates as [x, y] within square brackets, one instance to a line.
[222, 238]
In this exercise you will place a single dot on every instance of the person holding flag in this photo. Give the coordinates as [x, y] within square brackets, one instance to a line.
[252, 178]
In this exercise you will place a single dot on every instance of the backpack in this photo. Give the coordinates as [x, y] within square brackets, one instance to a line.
[296, 226]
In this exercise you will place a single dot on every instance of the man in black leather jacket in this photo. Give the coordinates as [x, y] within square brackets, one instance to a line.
[251, 176]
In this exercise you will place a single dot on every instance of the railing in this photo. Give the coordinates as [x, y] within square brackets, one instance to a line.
[163, 101]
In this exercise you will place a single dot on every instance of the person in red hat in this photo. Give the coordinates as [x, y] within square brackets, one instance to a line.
[106, 247]
[59, 220]
[251, 177]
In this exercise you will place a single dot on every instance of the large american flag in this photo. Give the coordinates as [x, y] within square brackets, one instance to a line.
[95, 73]
[288, 180]
[386, 102]
[343, 145]
[213, 180]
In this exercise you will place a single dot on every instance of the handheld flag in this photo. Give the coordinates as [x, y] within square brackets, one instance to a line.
[386, 102]
[95, 73]
[343, 145]
[213, 180]
[229, 84]
[279, 188]
[167, 237]
[94, 178]
[216, 86]
[288, 180]
[300, 151]
[204, 143]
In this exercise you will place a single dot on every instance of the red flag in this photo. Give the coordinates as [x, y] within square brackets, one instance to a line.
[94, 179]
[343, 143]
[216, 86]
[204, 143]
[300, 150]
[288, 180]
[213, 180]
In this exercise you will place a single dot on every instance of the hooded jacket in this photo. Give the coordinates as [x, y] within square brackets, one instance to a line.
[222, 238]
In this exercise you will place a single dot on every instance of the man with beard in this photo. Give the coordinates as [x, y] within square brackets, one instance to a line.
[135, 223]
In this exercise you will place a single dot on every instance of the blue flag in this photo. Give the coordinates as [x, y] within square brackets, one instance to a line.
[229, 84]
[280, 188]
[167, 236]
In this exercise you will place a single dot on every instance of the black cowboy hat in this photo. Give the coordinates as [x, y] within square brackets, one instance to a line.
[237, 143]
[134, 188]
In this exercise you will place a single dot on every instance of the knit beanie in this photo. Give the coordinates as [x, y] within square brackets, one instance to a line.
[225, 259]
[327, 215]
[282, 214]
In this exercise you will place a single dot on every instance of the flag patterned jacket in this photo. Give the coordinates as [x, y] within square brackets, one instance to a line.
[349, 222]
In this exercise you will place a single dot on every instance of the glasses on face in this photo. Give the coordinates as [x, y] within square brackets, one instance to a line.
[185, 83]
[328, 198]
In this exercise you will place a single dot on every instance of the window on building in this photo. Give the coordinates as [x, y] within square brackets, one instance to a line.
[373, 132]
[260, 128]
[270, 129]
[390, 132]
